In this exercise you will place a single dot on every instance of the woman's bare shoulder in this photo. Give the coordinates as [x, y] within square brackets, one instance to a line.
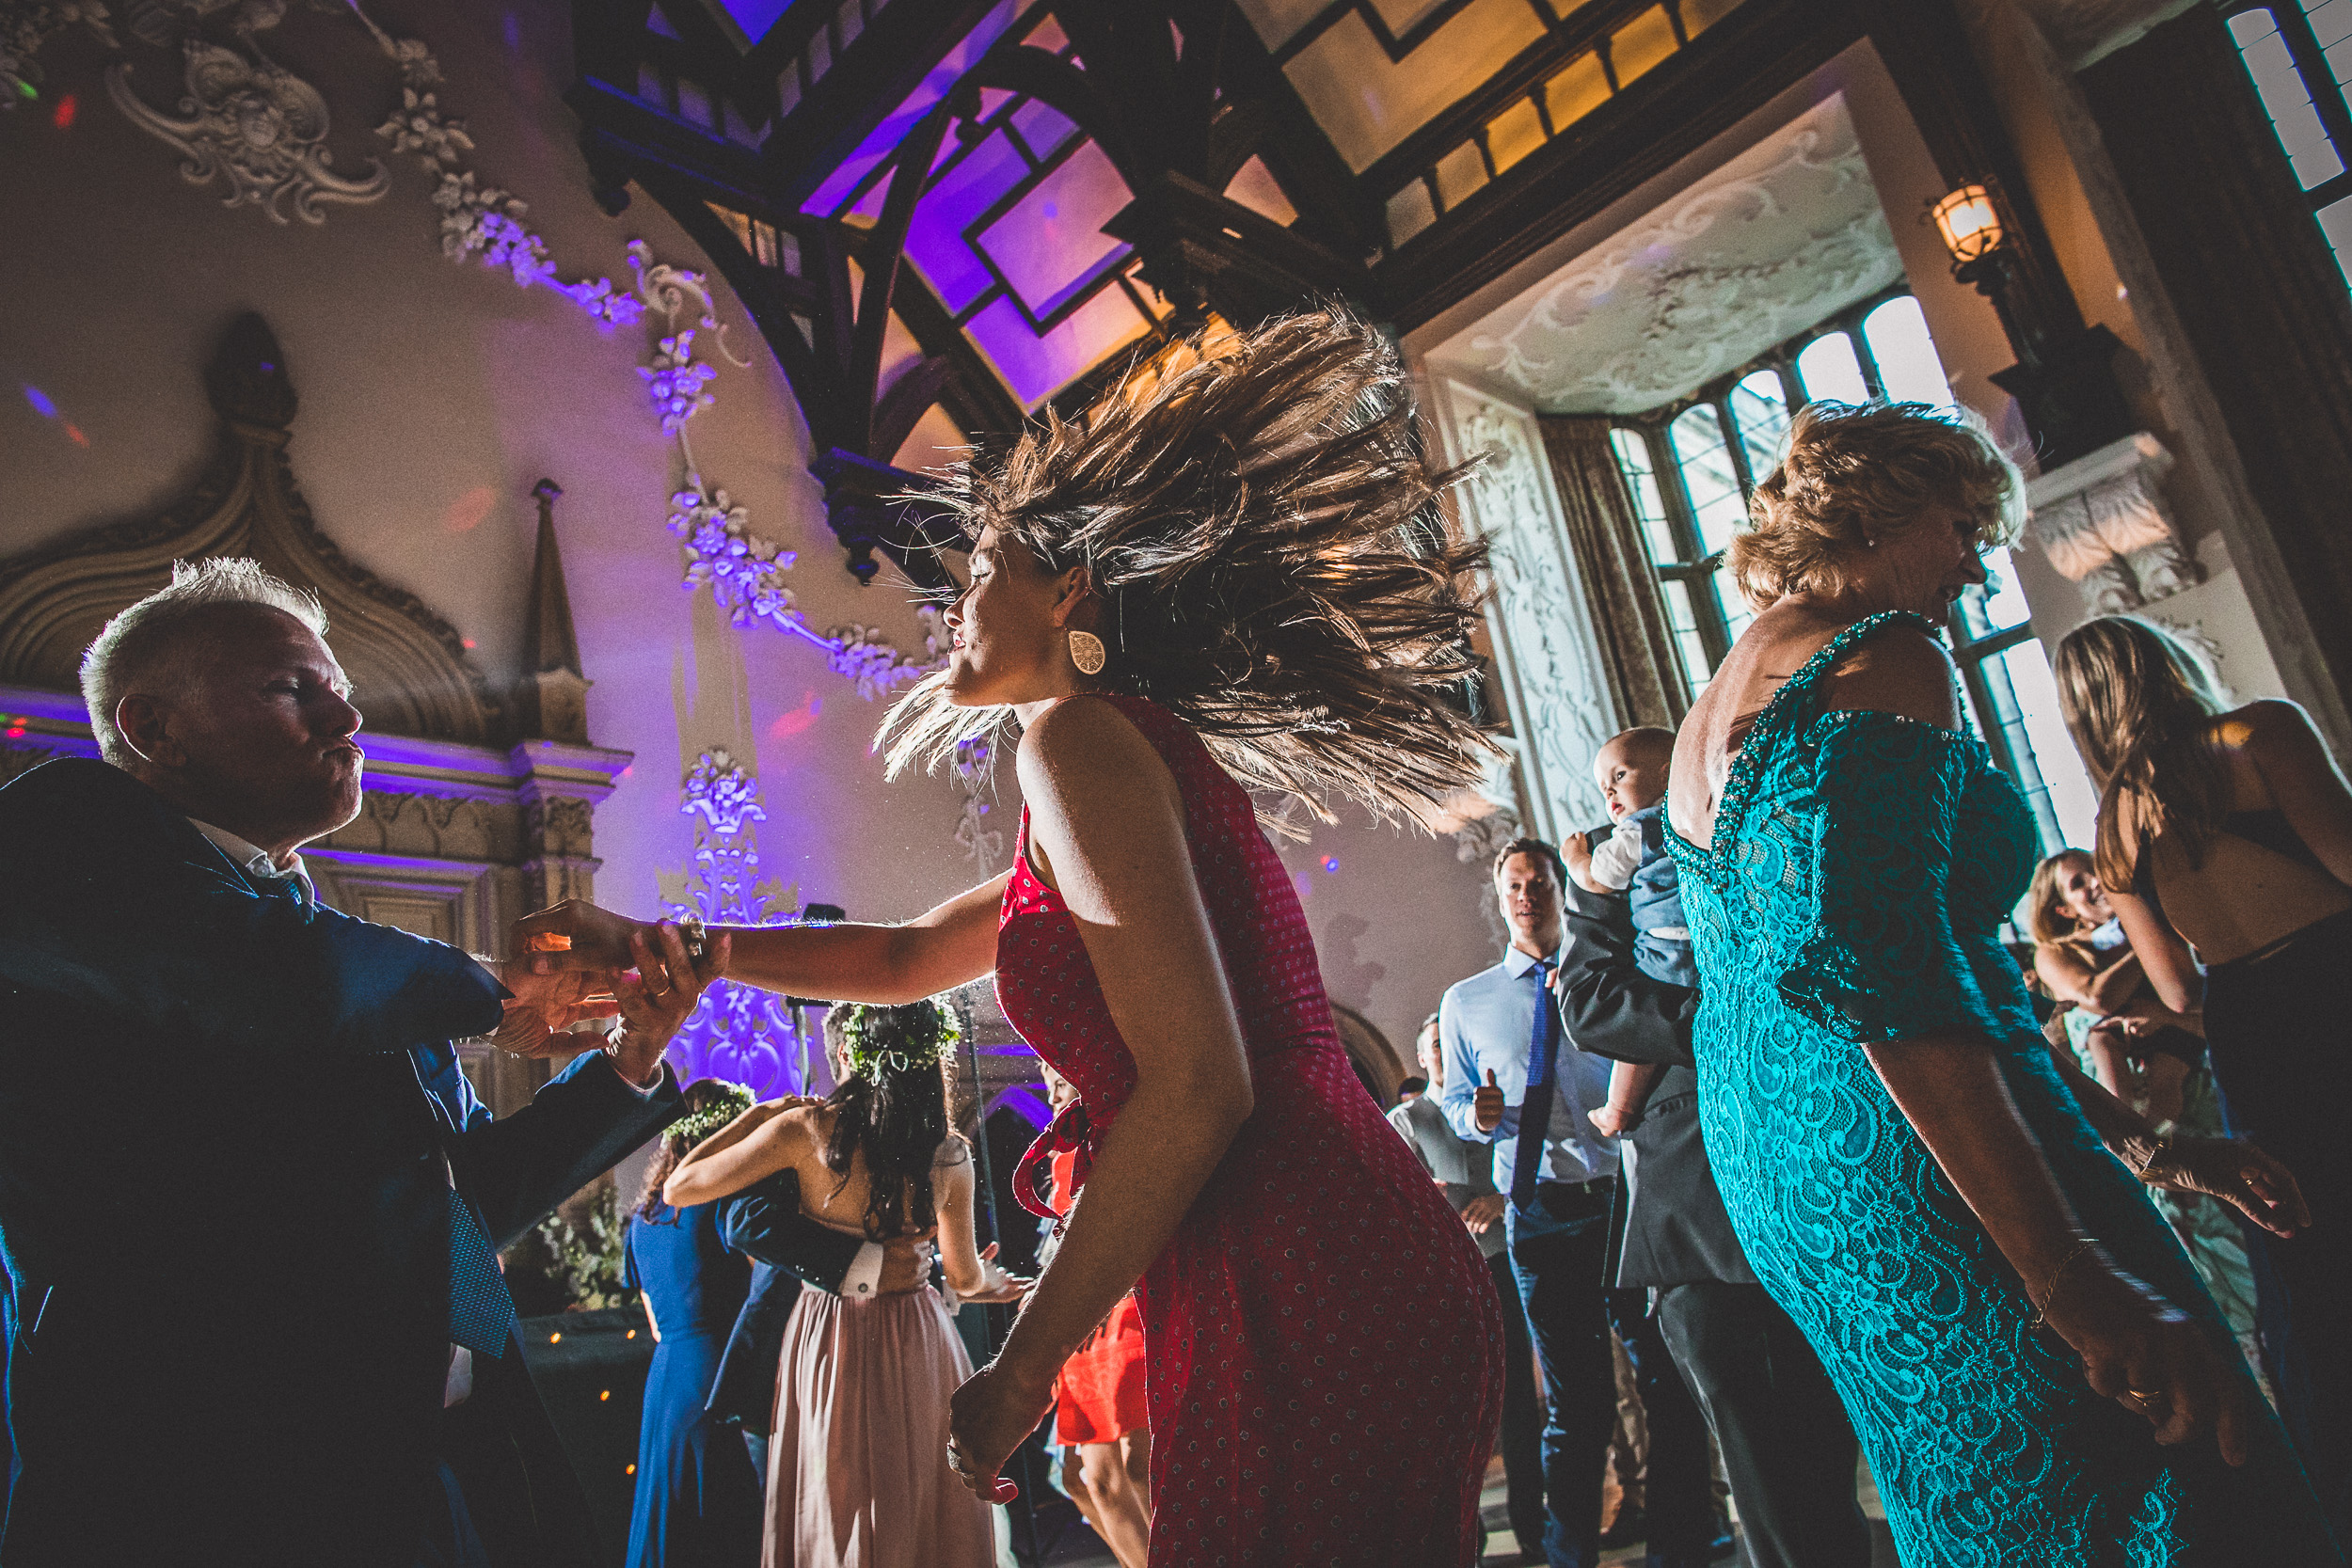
[2271, 725]
[2056, 961]
[1898, 669]
[952, 1152]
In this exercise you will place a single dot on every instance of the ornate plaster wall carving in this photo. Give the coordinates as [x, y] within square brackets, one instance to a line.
[736, 1032]
[410, 667]
[1781, 236]
[248, 120]
[1546, 652]
[254, 124]
[2103, 521]
[973, 764]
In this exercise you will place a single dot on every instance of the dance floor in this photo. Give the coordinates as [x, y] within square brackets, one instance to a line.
[1080, 1549]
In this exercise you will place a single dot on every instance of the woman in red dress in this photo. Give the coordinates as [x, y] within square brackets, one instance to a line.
[1238, 576]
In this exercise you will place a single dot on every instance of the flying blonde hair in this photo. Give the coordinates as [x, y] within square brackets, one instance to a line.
[1262, 529]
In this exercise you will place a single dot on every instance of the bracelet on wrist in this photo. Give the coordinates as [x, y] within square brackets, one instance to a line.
[2144, 1154]
[2050, 1286]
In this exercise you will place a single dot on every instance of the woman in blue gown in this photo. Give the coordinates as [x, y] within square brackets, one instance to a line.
[2035, 1372]
[700, 1503]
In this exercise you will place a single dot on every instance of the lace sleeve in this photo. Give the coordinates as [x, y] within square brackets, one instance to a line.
[1880, 961]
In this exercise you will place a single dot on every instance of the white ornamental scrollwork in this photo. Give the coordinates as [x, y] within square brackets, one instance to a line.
[2103, 521]
[670, 290]
[736, 1032]
[265, 130]
[255, 124]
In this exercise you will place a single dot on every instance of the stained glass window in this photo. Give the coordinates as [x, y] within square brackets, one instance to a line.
[1008, 233]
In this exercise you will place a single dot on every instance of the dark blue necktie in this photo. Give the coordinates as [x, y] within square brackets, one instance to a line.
[480, 1313]
[1543, 1050]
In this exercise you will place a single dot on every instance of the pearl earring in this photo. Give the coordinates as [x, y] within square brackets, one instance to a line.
[1087, 651]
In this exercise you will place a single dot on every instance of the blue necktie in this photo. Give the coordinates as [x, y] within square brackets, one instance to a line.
[480, 1313]
[1543, 1050]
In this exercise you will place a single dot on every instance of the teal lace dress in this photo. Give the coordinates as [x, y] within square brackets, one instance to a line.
[1861, 868]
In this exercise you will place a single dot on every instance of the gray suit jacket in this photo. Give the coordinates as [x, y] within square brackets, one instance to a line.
[1668, 1223]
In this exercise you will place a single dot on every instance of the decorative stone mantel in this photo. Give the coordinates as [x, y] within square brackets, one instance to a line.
[2103, 521]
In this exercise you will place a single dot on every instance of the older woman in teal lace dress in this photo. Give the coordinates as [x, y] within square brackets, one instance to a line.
[2035, 1372]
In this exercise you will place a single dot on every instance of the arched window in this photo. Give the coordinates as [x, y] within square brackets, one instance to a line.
[1691, 465]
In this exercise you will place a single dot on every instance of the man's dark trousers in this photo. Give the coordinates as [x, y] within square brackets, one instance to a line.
[1559, 1250]
[1522, 1412]
[1786, 1443]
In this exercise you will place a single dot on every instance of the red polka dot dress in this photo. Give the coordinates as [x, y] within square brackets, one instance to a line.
[1324, 1342]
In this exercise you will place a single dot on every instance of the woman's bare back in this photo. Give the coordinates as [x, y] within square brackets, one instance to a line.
[2240, 897]
[1899, 673]
[838, 1199]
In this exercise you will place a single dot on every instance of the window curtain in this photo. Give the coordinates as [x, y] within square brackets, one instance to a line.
[1620, 585]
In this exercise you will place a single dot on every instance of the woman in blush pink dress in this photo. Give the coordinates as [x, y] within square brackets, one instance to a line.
[1236, 577]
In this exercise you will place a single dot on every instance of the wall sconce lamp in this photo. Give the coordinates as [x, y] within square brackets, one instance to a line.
[1970, 226]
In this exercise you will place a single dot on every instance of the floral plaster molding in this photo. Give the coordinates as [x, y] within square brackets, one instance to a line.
[1545, 652]
[974, 767]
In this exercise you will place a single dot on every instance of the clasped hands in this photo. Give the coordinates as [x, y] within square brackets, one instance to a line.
[575, 962]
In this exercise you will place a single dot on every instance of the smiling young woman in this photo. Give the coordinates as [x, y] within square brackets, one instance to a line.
[1236, 578]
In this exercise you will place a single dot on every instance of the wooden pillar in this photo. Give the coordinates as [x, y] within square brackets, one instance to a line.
[2262, 304]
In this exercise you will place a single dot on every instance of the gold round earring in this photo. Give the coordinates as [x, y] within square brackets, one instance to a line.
[1087, 651]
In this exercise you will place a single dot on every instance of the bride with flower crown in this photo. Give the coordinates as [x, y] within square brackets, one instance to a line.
[862, 1399]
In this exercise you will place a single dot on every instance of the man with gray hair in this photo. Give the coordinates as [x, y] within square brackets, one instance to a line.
[250, 1203]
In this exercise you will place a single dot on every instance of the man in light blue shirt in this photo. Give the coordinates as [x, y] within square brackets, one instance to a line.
[1506, 1058]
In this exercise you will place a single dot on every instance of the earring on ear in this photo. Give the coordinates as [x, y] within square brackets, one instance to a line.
[1087, 651]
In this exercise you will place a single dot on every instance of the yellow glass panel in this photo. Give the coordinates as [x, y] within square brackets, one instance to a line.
[1640, 43]
[1575, 92]
[1514, 133]
[1460, 172]
[1699, 15]
[1409, 213]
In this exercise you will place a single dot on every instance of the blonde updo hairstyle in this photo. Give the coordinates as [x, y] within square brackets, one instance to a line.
[1852, 472]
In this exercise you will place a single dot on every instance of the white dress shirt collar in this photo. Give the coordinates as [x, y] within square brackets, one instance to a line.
[1514, 962]
[252, 860]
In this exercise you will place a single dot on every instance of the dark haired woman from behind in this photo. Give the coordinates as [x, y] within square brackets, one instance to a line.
[2234, 831]
[857, 1459]
[1236, 577]
[697, 1493]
